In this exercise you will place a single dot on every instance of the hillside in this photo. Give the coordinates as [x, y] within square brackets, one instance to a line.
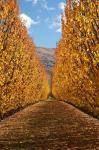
[47, 57]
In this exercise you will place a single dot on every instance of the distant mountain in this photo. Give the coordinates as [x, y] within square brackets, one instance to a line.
[47, 57]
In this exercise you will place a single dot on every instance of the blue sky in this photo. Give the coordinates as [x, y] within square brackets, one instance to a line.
[42, 19]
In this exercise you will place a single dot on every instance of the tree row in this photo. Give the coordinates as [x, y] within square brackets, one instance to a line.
[23, 79]
[76, 71]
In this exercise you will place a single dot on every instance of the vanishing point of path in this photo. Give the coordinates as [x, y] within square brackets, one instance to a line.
[49, 125]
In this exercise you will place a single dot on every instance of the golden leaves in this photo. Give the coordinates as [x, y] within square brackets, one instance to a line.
[76, 74]
[23, 79]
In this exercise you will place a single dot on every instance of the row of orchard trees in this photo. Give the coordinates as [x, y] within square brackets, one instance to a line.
[23, 79]
[76, 72]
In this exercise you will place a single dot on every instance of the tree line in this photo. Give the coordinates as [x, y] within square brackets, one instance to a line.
[23, 79]
[76, 71]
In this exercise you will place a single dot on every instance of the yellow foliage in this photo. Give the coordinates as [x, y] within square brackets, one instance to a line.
[23, 79]
[76, 72]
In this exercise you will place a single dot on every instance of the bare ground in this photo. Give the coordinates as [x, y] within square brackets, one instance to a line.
[49, 125]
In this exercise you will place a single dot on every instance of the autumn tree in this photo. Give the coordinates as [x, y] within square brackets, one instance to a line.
[76, 72]
[23, 79]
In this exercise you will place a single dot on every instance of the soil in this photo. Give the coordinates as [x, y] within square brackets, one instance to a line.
[49, 125]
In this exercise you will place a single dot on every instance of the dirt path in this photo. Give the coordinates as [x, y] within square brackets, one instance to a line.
[49, 125]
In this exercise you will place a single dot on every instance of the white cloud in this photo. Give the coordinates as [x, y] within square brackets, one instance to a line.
[27, 21]
[34, 1]
[45, 6]
[56, 24]
[58, 30]
[61, 6]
